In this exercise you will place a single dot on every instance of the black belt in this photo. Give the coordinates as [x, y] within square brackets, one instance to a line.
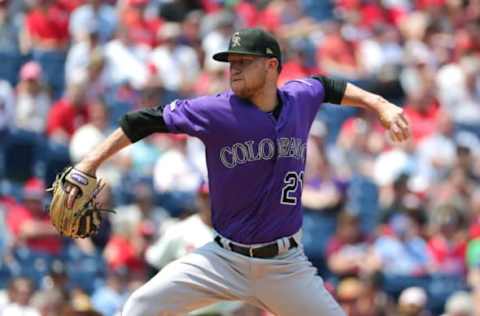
[264, 252]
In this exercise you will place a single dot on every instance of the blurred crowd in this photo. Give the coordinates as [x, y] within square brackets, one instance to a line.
[393, 230]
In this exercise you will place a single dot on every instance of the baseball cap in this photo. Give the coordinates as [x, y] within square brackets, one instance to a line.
[31, 70]
[460, 303]
[413, 296]
[251, 41]
[34, 189]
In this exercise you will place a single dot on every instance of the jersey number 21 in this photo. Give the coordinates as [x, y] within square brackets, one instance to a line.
[292, 182]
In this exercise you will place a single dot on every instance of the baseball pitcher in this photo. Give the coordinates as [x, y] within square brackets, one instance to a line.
[255, 136]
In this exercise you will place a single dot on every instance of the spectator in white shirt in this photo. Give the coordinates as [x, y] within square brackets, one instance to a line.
[174, 171]
[7, 102]
[184, 237]
[33, 100]
[93, 11]
[86, 137]
[80, 54]
[458, 87]
[142, 211]
[176, 64]
[20, 293]
[126, 60]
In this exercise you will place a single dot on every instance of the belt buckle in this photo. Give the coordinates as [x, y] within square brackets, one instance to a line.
[250, 252]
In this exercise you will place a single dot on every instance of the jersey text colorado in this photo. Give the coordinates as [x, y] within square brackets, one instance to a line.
[265, 149]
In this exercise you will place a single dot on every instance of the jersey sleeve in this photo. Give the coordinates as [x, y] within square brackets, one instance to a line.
[188, 117]
[309, 89]
[309, 93]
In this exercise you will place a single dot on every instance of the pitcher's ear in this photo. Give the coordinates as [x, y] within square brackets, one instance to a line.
[272, 63]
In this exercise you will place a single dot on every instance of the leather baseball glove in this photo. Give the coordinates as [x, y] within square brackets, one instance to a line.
[83, 219]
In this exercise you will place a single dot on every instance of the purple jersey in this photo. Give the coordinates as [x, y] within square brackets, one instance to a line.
[255, 162]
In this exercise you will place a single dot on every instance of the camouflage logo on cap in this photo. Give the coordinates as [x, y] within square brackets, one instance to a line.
[269, 51]
[236, 40]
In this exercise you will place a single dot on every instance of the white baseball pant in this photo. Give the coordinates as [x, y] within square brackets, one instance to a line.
[286, 285]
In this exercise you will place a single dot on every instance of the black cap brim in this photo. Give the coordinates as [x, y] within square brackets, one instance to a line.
[223, 56]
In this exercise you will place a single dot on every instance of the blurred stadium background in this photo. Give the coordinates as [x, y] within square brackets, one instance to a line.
[393, 230]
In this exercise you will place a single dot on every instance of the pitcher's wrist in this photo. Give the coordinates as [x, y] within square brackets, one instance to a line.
[87, 167]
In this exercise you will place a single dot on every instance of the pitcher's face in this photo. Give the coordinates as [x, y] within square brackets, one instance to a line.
[248, 74]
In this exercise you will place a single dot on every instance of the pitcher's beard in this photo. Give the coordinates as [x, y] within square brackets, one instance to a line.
[244, 93]
[249, 92]
[249, 89]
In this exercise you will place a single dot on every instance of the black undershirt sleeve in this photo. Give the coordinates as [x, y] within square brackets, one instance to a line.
[334, 89]
[142, 123]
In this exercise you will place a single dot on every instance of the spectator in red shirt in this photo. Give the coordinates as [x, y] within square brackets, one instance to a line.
[30, 224]
[337, 55]
[142, 30]
[449, 241]
[212, 79]
[46, 26]
[428, 4]
[260, 13]
[67, 114]
[125, 251]
[33, 99]
[474, 221]
[423, 113]
[347, 250]
[296, 64]
[70, 5]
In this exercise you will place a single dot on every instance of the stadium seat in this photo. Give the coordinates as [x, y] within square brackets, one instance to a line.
[11, 63]
[53, 64]
[55, 158]
[85, 271]
[20, 153]
[317, 230]
[362, 197]
[32, 264]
